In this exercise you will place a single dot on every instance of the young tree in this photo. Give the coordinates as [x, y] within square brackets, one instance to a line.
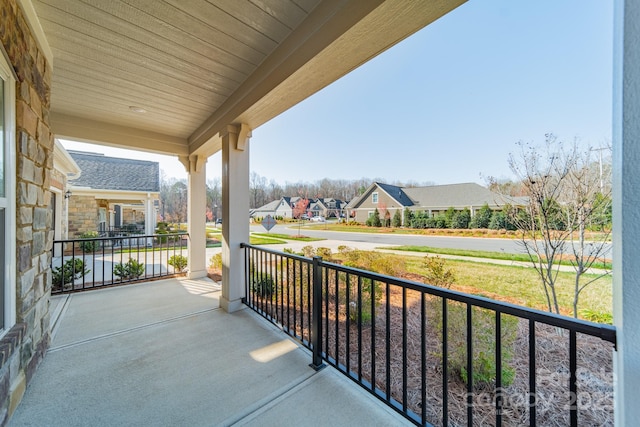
[482, 218]
[299, 209]
[397, 219]
[374, 220]
[461, 219]
[562, 202]
[586, 198]
[408, 217]
[384, 214]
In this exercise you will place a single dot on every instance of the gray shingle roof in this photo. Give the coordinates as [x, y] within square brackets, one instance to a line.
[112, 173]
[398, 193]
[456, 195]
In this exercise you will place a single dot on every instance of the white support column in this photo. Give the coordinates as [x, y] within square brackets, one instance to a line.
[626, 210]
[235, 214]
[149, 216]
[196, 210]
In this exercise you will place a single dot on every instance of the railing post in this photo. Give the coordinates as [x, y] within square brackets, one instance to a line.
[316, 315]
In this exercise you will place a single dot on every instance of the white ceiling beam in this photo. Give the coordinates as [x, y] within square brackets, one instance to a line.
[86, 130]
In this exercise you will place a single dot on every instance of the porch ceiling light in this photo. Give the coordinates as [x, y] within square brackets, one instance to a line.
[137, 109]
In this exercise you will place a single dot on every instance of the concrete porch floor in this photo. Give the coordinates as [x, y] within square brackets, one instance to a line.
[163, 354]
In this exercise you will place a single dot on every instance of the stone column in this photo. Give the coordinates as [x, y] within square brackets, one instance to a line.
[626, 215]
[235, 214]
[196, 210]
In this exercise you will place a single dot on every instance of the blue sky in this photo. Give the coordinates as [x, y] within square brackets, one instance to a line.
[449, 103]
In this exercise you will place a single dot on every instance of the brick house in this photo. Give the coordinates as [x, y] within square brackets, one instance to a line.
[113, 193]
[433, 199]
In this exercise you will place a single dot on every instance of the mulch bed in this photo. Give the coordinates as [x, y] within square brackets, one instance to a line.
[595, 366]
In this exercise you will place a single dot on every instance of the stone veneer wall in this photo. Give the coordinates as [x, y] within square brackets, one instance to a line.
[24, 346]
[83, 215]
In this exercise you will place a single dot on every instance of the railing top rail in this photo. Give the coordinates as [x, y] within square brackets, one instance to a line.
[605, 332]
[271, 251]
[135, 236]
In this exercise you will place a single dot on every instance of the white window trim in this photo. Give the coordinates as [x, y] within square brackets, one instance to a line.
[374, 197]
[6, 73]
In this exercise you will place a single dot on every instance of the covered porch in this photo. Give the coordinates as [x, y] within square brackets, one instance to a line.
[164, 353]
[190, 79]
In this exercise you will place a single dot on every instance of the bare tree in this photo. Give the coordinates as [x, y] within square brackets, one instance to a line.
[585, 198]
[563, 198]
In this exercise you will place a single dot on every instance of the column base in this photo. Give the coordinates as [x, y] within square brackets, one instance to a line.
[196, 274]
[231, 306]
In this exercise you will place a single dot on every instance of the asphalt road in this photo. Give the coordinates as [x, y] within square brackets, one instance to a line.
[471, 243]
[451, 242]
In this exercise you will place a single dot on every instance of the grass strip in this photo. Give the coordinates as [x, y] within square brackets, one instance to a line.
[482, 254]
[258, 240]
[288, 237]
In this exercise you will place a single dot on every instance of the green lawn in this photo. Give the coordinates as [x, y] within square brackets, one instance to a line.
[254, 240]
[517, 285]
[478, 254]
[288, 237]
[429, 231]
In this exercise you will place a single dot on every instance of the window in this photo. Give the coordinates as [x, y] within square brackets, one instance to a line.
[7, 197]
[370, 214]
[374, 198]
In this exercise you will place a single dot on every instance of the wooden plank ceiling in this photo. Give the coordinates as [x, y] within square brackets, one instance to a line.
[195, 66]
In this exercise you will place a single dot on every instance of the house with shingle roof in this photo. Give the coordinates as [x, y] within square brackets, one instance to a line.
[433, 199]
[283, 207]
[113, 193]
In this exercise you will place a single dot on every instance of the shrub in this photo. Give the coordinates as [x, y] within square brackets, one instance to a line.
[408, 217]
[461, 219]
[263, 286]
[597, 316]
[178, 262]
[483, 345]
[67, 273]
[440, 221]
[374, 220]
[325, 253]
[499, 221]
[448, 215]
[132, 269]
[482, 218]
[89, 245]
[162, 239]
[438, 274]
[215, 262]
[397, 219]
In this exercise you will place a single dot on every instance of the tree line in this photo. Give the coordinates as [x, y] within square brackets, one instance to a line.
[173, 193]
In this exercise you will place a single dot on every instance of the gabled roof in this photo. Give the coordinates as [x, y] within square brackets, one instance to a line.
[440, 196]
[398, 193]
[269, 207]
[112, 173]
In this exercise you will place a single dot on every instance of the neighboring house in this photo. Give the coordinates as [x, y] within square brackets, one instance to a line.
[277, 208]
[434, 199]
[112, 193]
[284, 207]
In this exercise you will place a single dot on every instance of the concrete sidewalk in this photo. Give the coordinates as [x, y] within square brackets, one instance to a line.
[163, 354]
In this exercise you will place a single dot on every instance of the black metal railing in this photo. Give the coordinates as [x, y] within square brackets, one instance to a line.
[436, 355]
[81, 264]
[121, 231]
